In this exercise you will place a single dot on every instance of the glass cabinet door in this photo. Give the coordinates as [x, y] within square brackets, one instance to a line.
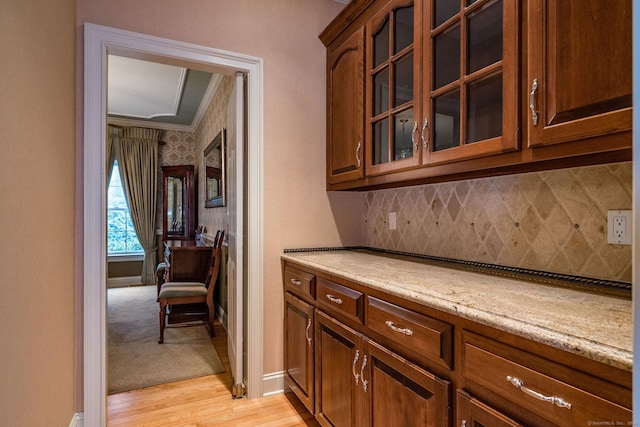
[178, 202]
[471, 95]
[393, 81]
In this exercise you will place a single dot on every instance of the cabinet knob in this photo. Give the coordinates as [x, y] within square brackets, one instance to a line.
[532, 102]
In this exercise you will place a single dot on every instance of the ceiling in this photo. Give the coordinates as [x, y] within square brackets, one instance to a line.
[168, 97]
[144, 93]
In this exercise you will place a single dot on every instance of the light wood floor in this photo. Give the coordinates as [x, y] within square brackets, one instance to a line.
[204, 401]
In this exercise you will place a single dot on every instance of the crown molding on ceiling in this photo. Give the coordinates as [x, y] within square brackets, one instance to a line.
[212, 88]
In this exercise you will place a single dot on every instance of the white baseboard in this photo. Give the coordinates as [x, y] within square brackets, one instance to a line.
[77, 420]
[222, 317]
[120, 282]
[273, 383]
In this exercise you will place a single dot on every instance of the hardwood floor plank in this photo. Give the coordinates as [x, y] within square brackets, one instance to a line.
[204, 401]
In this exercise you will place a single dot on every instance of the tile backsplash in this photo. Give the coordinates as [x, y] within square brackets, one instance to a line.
[553, 221]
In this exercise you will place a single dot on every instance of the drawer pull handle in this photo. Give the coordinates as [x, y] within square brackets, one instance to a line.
[393, 327]
[413, 135]
[365, 383]
[353, 368]
[334, 299]
[296, 282]
[306, 332]
[558, 401]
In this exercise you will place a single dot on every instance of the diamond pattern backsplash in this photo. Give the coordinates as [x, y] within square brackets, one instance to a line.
[553, 221]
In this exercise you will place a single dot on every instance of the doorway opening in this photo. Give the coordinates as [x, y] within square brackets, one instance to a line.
[99, 42]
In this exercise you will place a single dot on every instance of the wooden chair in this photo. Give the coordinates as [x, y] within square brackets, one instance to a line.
[191, 303]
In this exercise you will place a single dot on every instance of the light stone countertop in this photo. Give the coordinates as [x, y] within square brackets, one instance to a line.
[595, 326]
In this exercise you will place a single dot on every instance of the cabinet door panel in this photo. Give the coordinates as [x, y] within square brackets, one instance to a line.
[336, 356]
[580, 59]
[345, 120]
[473, 413]
[401, 393]
[298, 358]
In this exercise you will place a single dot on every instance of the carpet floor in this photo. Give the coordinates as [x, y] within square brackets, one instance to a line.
[136, 360]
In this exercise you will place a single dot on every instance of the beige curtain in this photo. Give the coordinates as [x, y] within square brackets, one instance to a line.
[113, 134]
[138, 164]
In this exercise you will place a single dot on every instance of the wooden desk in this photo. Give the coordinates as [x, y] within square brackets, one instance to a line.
[187, 260]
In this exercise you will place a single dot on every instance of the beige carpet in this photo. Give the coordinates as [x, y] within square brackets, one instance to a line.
[135, 358]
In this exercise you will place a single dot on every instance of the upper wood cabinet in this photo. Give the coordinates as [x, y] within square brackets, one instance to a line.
[393, 87]
[345, 98]
[579, 60]
[423, 91]
[471, 79]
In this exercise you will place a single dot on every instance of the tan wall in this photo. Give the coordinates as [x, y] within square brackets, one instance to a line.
[37, 213]
[298, 211]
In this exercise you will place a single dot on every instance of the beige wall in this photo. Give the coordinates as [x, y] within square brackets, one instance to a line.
[37, 213]
[298, 211]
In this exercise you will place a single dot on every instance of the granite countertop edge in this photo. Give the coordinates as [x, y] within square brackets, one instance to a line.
[620, 356]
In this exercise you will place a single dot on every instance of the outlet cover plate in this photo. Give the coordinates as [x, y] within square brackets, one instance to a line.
[619, 224]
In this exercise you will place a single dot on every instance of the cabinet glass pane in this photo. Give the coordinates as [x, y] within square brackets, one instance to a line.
[381, 92]
[403, 131]
[403, 28]
[443, 10]
[446, 54]
[447, 121]
[484, 109]
[485, 36]
[381, 45]
[403, 73]
[381, 142]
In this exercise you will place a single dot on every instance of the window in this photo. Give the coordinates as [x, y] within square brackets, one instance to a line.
[121, 236]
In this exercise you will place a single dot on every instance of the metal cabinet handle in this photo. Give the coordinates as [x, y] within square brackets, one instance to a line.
[532, 102]
[413, 136]
[365, 383]
[306, 332]
[558, 401]
[425, 142]
[353, 368]
[334, 299]
[296, 282]
[393, 327]
[464, 423]
[358, 154]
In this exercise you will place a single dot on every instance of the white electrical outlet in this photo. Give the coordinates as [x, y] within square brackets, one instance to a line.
[619, 227]
[393, 225]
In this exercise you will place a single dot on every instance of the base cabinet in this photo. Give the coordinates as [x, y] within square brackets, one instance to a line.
[361, 383]
[298, 355]
[473, 413]
[360, 357]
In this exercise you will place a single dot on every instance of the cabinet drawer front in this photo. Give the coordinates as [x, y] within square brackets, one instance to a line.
[341, 299]
[419, 333]
[552, 399]
[299, 282]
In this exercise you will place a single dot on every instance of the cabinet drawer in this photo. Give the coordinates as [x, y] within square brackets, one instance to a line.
[419, 333]
[299, 282]
[552, 399]
[341, 299]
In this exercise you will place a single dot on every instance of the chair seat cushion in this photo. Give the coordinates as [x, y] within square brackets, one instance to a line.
[182, 289]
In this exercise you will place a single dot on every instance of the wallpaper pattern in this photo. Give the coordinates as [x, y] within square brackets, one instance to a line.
[553, 221]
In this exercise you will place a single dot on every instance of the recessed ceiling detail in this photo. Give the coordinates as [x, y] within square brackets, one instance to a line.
[144, 89]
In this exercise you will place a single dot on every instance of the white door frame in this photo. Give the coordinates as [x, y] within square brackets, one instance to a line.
[100, 40]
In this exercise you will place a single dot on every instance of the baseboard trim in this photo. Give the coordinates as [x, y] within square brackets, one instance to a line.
[121, 282]
[222, 317]
[77, 420]
[273, 383]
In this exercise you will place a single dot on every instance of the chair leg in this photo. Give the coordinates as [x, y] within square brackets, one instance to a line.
[163, 307]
